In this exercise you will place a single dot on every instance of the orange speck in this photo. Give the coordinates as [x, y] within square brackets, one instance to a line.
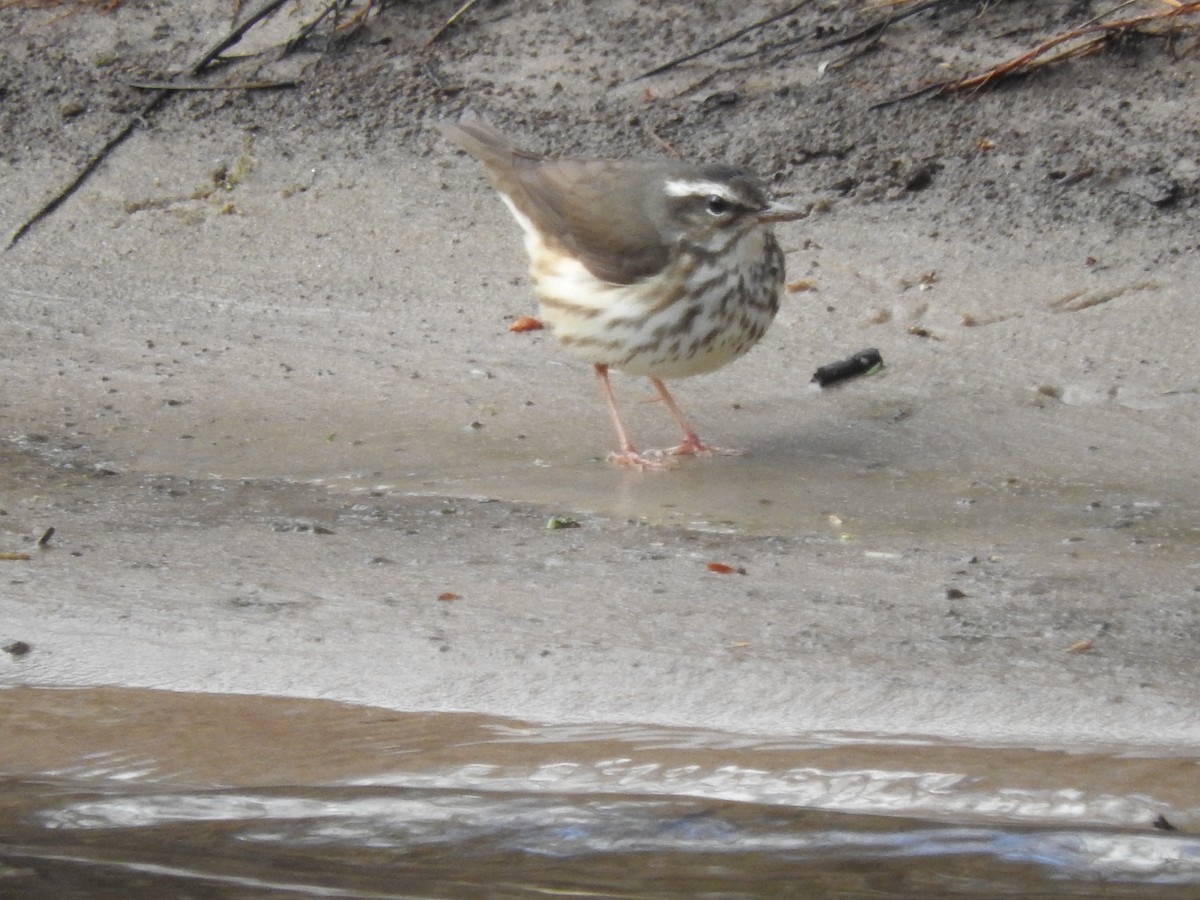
[526, 323]
[722, 569]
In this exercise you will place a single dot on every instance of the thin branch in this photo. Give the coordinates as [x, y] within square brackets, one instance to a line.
[728, 39]
[138, 118]
[309, 27]
[870, 30]
[183, 85]
[1096, 34]
[335, 9]
[88, 168]
[235, 35]
[1104, 15]
[461, 11]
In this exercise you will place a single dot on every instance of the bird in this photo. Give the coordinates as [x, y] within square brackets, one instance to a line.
[653, 267]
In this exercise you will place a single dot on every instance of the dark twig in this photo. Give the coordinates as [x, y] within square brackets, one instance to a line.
[458, 13]
[309, 27]
[728, 39]
[870, 30]
[867, 36]
[152, 103]
[89, 167]
[181, 85]
[334, 8]
[234, 36]
[934, 88]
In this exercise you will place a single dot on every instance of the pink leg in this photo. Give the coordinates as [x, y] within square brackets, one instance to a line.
[628, 455]
[691, 441]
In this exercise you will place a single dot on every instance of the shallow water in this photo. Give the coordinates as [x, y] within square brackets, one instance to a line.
[118, 793]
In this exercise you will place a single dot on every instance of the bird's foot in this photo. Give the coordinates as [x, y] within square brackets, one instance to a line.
[693, 446]
[631, 459]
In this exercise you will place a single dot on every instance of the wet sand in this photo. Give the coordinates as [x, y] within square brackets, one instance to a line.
[258, 377]
[264, 468]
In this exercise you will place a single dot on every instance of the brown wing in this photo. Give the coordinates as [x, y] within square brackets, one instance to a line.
[595, 209]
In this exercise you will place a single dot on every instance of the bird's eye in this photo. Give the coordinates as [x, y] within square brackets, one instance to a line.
[717, 206]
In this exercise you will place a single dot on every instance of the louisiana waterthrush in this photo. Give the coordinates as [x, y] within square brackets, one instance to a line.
[653, 267]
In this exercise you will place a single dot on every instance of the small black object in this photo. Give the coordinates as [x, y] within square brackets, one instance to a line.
[46, 535]
[860, 363]
[1162, 823]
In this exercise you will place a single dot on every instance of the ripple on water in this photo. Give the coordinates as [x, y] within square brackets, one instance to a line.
[326, 799]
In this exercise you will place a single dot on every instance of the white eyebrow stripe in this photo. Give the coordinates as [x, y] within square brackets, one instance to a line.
[700, 189]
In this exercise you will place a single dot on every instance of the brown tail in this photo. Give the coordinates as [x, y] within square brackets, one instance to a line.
[482, 141]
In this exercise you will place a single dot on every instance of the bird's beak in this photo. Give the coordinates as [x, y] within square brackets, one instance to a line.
[781, 212]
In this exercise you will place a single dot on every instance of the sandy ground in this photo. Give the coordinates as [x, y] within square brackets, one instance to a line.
[258, 377]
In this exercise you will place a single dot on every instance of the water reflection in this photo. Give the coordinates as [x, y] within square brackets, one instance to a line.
[124, 793]
[566, 826]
